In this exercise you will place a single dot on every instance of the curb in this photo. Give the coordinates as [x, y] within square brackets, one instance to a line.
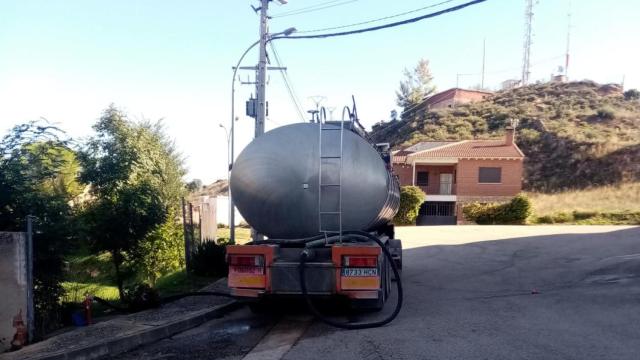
[121, 344]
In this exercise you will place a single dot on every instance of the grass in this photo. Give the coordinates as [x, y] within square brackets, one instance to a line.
[611, 205]
[179, 282]
[243, 235]
[605, 199]
[93, 274]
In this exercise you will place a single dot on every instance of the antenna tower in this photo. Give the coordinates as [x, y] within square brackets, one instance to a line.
[566, 58]
[528, 22]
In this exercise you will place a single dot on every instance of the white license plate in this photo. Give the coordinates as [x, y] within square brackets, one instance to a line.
[241, 269]
[364, 272]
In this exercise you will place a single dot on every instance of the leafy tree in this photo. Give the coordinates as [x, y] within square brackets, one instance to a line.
[136, 184]
[194, 185]
[632, 94]
[411, 197]
[38, 177]
[162, 251]
[416, 86]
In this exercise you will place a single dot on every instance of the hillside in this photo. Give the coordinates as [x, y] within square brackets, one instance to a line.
[575, 135]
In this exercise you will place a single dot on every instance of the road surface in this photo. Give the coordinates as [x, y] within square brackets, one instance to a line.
[471, 292]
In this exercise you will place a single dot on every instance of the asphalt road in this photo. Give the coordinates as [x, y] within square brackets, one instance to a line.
[471, 292]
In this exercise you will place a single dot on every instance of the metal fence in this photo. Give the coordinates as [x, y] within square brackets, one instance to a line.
[199, 222]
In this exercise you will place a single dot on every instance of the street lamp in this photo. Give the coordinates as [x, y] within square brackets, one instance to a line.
[228, 192]
[268, 37]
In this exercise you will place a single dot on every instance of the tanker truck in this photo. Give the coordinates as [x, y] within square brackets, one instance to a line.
[323, 196]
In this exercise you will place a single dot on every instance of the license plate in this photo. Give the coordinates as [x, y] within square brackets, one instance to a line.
[360, 272]
[255, 270]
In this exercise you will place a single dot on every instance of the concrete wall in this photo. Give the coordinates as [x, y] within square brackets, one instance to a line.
[13, 285]
[222, 211]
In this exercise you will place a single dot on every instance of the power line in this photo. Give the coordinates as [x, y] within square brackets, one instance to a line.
[287, 82]
[380, 27]
[376, 20]
[313, 8]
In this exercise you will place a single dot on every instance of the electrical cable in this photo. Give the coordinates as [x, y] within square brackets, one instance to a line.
[375, 20]
[385, 26]
[287, 82]
[305, 255]
[313, 8]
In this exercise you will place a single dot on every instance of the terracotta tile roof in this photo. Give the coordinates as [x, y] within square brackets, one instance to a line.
[425, 145]
[472, 149]
[400, 156]
[490, 149]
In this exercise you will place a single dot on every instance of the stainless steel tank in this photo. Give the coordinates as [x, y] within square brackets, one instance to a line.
[275, 182]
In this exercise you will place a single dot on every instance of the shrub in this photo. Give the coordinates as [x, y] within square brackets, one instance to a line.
[515, 211]
[606, 113]
[209, 260]
[411, 197]
[632, 94]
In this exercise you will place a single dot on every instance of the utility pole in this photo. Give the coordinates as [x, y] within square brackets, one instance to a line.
[262, 70]
[528, 23]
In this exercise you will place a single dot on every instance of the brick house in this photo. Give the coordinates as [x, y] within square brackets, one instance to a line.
[457, 172]
[448, 99]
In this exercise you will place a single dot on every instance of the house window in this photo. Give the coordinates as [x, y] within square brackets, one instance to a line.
[490, 175]
[422, 178]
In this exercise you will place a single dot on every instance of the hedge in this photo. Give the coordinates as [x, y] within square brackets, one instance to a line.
[411, 197]
[514, 212]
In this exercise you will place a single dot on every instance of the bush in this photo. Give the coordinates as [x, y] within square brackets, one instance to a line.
[514, 212]
[411, 197]
[209, 259]
[606, 113]
[632, 94]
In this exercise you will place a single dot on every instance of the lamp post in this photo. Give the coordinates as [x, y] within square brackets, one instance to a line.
[228, 161]
[267, 38]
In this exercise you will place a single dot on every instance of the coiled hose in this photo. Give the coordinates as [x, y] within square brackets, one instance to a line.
[352, 326]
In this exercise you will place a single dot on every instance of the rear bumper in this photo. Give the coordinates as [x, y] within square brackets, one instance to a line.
[281, 275]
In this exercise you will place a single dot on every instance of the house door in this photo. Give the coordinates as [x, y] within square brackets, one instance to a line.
[446, 183]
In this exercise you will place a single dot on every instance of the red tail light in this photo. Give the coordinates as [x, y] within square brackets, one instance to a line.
[360, 261]
[246, 260]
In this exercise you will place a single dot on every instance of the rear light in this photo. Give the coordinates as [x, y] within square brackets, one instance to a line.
[246, 260]
[360, 261]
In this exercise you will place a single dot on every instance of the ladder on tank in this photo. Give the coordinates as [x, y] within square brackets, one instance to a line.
[330, 176]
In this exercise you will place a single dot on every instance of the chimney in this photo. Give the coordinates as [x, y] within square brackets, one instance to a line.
[509, 136]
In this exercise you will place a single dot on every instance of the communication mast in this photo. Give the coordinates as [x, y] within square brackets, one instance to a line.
[528, 22]
[566, 59]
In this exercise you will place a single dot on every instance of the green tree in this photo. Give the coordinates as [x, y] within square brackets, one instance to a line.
[136, 184]
[38, 177]
[411, 197]
[194, 185]
[162, 250]
[416, 85]
[632, 94]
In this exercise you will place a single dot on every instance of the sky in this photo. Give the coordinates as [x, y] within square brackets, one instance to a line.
[67, 60]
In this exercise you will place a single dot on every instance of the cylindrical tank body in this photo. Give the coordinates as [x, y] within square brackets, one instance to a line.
[275, 183]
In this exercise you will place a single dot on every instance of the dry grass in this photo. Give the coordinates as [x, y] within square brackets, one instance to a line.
[606, 199]
[243, 235]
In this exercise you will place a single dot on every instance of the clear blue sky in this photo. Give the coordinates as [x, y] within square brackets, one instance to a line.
[68, 60]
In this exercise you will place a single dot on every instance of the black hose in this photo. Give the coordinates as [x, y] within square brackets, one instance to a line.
[348, 326]
[171, 298]
[104, 302]
[163, 300]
